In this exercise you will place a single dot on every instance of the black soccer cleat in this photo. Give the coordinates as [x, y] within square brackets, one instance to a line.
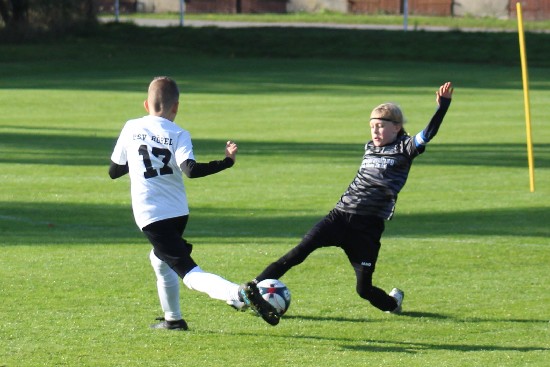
[170, 325]
[251, 296]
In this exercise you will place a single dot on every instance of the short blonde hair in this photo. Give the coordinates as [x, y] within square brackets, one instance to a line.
[388, 112]
[163, 94]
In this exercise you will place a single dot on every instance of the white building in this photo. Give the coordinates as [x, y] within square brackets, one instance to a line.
[476, 8]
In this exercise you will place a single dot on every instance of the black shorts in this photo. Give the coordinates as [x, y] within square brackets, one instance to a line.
[358, 235]
[169, 245]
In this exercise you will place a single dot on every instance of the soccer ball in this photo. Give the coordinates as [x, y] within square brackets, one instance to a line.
[275, 292]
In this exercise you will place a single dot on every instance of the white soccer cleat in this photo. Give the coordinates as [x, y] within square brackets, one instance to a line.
[238, 305]
[398, 294]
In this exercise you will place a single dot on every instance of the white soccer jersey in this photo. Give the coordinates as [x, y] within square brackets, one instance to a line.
[154, 148]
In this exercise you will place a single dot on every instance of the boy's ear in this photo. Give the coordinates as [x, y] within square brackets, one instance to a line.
[146, 105]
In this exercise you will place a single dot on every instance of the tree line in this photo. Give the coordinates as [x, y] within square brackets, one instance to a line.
[46, 15]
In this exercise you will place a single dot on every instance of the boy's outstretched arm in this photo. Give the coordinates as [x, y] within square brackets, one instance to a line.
[193, 169]
[443, 99]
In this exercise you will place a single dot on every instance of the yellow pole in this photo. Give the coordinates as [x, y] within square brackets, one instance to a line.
[525, 78]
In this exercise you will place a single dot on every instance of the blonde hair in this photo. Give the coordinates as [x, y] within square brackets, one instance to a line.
[389, 112]
[163, 94]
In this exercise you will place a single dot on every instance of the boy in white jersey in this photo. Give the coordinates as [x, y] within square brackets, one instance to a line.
[155, 152]
[356, 223]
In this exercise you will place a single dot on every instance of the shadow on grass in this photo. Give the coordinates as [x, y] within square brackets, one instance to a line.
[393, 346]
[475, 320]
[108, 64]
[429, 315]
[324, 318]
[416, 347]
[61, 223]
[212, 60]
[418, 315]
[89, 149]
[399, 346]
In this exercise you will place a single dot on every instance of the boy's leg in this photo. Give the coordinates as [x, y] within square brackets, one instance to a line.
[168, 244]
[168, 291]
[175, 251]
[170, 257]
[362, 248]
[376, 296]
[325, 233]
[214, 285]
[219, 288]
[168, 288]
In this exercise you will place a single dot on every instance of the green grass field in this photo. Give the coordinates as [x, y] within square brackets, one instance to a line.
[469, 244]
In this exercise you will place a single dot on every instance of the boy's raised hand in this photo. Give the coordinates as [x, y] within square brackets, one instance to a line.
[231, 149]
[445, 91]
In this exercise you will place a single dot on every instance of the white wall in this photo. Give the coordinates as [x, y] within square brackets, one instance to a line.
[317, 5]
[477, 8]
[159, 6]
[293, 5]
[482, 8]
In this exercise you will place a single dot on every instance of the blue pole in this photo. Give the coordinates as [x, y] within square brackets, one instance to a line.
[116, 11]
[182, 11]
[405, 15]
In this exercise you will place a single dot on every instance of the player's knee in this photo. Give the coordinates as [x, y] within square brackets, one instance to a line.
[166, 277]
[191, 277]
[159, 266]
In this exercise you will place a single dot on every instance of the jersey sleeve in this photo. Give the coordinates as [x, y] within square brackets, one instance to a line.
[429, 132]
[194, 169]
[184, 148]
[119, 155]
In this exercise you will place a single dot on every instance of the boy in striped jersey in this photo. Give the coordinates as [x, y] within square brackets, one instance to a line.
[356, 223]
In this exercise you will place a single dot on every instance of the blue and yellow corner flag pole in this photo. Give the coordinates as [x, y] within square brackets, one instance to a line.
[525, 78]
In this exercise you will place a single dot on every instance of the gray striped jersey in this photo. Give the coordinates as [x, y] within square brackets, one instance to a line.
[382, 174]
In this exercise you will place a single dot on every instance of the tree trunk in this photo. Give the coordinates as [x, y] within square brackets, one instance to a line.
[4, 12]
[20, 13]
[14, 13]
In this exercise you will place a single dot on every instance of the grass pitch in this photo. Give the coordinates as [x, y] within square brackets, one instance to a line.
[469, 244]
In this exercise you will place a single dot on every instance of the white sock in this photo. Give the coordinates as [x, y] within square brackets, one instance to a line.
[168, 288]
[213, 285]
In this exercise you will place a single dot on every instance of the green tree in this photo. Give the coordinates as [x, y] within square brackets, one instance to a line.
[55, 15]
